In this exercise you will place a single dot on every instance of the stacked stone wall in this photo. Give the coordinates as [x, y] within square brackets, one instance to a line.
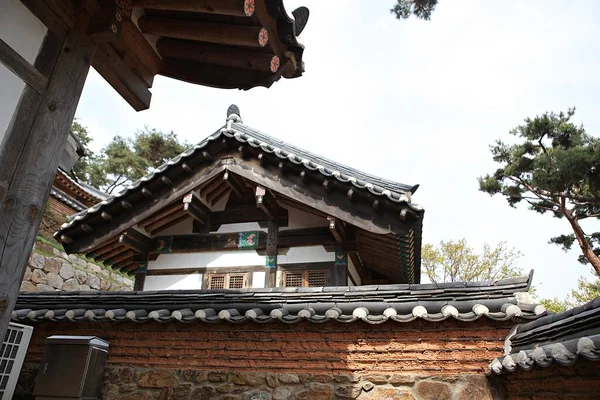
[50, 269]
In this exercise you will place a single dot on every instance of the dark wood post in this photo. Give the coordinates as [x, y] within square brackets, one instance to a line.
[272, 241]
[26, 191]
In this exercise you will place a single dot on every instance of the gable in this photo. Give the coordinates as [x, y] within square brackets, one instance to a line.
[216, 183]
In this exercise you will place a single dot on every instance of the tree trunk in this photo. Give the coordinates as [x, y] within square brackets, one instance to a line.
[583, 243]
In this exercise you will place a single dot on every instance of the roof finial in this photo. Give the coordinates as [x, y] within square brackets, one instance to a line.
[234, 110]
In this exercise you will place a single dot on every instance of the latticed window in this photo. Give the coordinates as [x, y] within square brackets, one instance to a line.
[236, 281]
[216, 282]
[294, 279]
[316, 278]
[227, 281]
[305, 278]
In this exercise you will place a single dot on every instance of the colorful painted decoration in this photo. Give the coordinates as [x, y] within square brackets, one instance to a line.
[271, 261]
[164, 245]
[248, 240]
[341, 258]
[274, 64]
[249, 7]
[263, 37]
[142, 268]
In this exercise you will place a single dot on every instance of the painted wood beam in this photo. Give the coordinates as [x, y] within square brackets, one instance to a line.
[237, 8]
[194, 207]
[51, 119]
[233, 241]
[136, 240]
[233, 35]
[218, 55]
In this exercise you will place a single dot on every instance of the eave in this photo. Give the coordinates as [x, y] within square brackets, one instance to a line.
[219, 43]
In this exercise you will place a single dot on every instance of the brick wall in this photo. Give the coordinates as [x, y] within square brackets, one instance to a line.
[60, 207]
[579, 381]
[417, 360]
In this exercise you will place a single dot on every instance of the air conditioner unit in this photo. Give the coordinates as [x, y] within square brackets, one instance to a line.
[12, 355]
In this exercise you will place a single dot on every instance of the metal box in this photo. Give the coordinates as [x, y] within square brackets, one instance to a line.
[73, 368]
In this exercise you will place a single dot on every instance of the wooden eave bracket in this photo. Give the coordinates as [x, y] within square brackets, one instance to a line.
[136, 240]
[195, 208]
[267, 202]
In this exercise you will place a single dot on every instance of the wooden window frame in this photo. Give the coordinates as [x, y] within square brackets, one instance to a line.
[304, 273]
[228, 276]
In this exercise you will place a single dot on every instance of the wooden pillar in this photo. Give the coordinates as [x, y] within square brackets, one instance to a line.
[272, 233]
[140, 278]
[42, 124]
[340, 269]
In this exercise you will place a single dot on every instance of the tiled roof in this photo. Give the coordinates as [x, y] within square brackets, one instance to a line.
[561, 338]
[396, 192]
[65, 198]
[374, 304]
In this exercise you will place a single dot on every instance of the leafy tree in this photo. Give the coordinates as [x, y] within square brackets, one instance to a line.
[453, 261]
[422, 9]
[81, 167]
[124, 160]
[555, 168]
[586, 291]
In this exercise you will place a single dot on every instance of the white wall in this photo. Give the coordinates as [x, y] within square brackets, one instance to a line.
[25, 34]
[174, 282]
[235, 258]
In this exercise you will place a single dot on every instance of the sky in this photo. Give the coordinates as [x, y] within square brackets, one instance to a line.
[412, 101]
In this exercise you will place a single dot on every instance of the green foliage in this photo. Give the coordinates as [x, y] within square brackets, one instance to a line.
[586, 291]
[125, 160]
[83, 165]
[421, 9]
[453, 261]
[554, 167]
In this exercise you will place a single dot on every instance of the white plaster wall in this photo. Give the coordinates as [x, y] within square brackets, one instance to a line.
[306, 255]
[247, 226]
[210, 260]
[258, 279]
[174, 282]
[299, 219]
[25, 34]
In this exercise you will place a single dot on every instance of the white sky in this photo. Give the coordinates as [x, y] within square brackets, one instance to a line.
[412, 101]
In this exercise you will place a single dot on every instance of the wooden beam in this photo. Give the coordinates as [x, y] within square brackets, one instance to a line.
[219, 76]
[22, 203]
[166, 220]
[272, 241]
[194, 207]
[176, 206]
[108, 255]
[218, 55]
[233, 35]
[170, 224]
[237, 8]
[210, 242]
[337, 229]
[136, 240]
[267, 202]
[22, 68]
[116, 72]
[236, 184]
[232, 241]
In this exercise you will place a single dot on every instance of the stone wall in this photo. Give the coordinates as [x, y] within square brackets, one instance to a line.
[50, 269]
[126, 383]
